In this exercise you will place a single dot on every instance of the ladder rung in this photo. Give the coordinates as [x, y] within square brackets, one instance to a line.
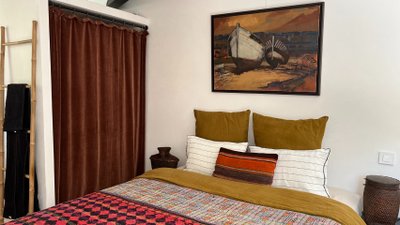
[17, 42]
[2, 87]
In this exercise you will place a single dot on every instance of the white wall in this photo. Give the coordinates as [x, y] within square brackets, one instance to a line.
[17, 16]
[17, 29]
[360, 80]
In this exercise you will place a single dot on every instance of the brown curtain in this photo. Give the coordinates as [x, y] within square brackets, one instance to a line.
[98, 81]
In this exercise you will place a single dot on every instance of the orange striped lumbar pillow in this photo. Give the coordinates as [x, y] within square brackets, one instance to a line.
[248, 167]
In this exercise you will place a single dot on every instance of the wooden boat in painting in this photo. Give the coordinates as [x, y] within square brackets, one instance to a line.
[246, 49]
[276, 53]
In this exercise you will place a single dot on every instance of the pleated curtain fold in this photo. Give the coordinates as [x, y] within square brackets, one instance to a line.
[98, 86]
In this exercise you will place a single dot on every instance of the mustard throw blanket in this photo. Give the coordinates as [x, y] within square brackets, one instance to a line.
[260, 194]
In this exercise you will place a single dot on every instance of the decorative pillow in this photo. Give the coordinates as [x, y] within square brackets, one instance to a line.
[222, 126]
[300, 170]
[277, 133]
[202, 153]
[248, 167]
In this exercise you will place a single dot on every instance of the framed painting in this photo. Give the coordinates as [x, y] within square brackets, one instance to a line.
[275, 50]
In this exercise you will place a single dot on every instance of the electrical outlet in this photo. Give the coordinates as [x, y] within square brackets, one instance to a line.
[387, 158]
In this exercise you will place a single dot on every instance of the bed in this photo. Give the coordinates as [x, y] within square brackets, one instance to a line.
[281, 180]
[172, 196]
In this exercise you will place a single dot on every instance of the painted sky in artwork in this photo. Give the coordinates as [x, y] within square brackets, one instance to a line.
[288, 20]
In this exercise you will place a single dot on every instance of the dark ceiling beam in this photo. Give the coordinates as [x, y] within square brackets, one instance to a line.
[115, 3]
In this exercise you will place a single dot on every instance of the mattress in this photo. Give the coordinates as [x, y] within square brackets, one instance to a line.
[170, 196]
[353, 200]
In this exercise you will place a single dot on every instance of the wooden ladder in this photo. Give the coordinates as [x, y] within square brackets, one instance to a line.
[5, 44]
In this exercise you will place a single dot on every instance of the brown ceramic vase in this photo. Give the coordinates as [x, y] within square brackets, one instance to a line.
[164, 159]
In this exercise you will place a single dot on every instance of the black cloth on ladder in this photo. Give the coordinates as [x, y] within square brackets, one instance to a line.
[18, 108]
[16, 124]
[17, 185]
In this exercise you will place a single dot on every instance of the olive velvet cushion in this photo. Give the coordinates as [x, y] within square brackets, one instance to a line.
[278, 133]
[222, 126]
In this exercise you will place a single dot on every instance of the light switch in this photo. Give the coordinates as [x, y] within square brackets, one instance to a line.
[387, 158]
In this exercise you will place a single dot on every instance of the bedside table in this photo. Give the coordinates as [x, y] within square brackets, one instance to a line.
[381, 200]
[164, 159]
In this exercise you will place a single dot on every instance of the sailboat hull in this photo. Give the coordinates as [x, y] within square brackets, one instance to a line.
[246, 50]
[276, 53]
[246, 64]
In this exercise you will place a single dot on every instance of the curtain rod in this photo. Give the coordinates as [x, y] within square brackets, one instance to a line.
[98, 16]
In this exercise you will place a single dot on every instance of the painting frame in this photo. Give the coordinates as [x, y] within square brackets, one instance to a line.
[313, 55]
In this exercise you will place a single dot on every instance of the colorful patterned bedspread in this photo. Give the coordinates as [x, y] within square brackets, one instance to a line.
[146, 201]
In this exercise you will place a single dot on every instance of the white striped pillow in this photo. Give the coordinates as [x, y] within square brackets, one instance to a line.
[302, 170]
[203, 153]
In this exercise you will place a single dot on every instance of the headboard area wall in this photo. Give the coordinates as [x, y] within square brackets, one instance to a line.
[359, 81]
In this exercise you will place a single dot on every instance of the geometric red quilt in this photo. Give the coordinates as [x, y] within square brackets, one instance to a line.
[101, 208]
